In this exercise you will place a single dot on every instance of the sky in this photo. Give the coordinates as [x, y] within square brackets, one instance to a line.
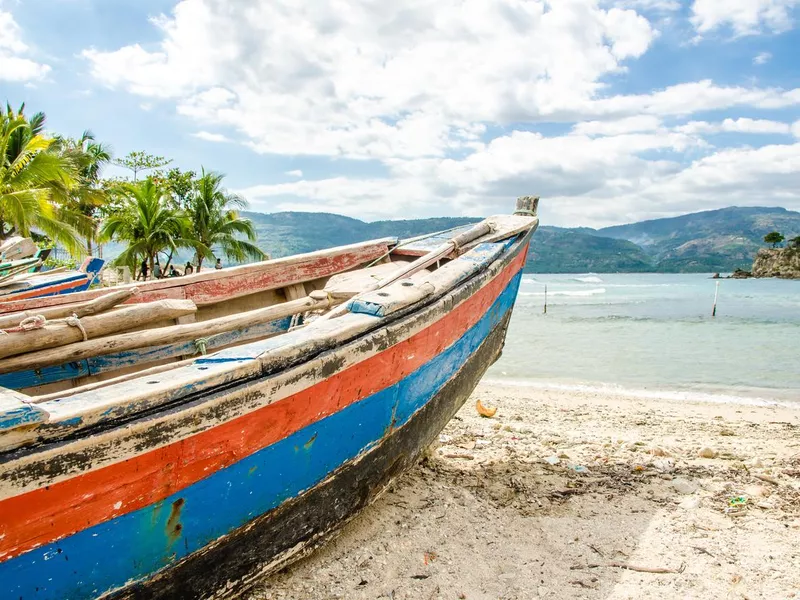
[612, 111]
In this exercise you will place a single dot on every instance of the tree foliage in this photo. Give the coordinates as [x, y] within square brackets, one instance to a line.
[138, 161]
[216, 224]
[36, 180]
[148, 223]
[774, 238]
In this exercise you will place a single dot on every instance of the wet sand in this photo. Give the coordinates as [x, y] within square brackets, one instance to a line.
[570, 494]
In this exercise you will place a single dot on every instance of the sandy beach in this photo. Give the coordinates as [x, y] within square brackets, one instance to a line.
[578, 494]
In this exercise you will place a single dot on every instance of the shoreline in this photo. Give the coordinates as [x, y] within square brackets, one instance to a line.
[547, 498]
[759, 396]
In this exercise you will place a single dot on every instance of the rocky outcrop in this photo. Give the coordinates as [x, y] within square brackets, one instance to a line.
[777, 262]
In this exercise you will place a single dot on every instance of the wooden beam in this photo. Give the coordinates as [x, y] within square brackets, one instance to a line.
[63, 332]
[82, 309]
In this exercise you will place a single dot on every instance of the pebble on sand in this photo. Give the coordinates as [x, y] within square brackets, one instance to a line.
[708, 453]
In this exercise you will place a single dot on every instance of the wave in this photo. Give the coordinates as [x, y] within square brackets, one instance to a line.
[588, 279]
[575, 293]
[617, 390]
[530, 280]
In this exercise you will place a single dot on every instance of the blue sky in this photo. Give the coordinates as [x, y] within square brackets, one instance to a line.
[611, 110]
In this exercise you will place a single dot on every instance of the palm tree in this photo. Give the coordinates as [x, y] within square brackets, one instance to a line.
[88, 195]
[33, 181]
[216, 222]
[148, 223]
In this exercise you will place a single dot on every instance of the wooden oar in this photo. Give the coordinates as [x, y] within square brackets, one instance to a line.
[163, 335]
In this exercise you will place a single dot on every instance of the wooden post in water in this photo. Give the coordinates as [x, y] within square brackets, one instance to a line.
[716, 294]
[545, 298]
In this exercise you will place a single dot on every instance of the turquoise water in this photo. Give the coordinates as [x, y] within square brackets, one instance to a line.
[651, 333]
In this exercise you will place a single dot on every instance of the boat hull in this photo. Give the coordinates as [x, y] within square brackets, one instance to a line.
[297, 527]
[247, 476]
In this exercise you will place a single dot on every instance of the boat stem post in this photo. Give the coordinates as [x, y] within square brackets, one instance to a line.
[545, 299]
[716, 295]
[527, 206]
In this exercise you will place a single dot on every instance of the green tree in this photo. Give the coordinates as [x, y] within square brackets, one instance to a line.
[148, 223]
[795, 242]
[773, 238]
[35, 180]
[89, 195]
[138, 161]
[216, 224]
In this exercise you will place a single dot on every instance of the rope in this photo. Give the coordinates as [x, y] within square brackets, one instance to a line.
[74, 321]
[201, 344]
[27, 324]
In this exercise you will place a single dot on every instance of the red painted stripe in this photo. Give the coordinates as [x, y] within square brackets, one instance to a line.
[44, 290]
[51, 513]
[206, 291]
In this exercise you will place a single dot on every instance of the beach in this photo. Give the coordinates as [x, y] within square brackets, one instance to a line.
[578, 493]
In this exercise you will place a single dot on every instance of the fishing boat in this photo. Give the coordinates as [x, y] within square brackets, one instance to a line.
[22, 281]
[196, 477]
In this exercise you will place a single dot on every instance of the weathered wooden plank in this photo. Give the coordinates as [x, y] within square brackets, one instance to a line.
[21, 380]
[17, 411]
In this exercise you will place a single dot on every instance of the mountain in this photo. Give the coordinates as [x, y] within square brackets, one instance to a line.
[713, 240]
[558, 250]
[285, 233]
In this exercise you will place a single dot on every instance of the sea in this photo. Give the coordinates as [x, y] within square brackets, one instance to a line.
[651, 335]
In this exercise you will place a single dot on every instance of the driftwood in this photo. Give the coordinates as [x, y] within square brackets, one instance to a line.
[163, 335]
[659, 570]
[63, 332]
[83, 309]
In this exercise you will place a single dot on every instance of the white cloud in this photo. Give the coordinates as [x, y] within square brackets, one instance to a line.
[796, 129]
[654, 5]
[744, 17]
[422, 86]
[415, 78]
[210, 137]
[742, 125]
[14, 63]
[616, 127]
[762, 58]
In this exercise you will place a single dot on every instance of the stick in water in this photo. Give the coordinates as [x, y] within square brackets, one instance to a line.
[545, 298]
[716, 294]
